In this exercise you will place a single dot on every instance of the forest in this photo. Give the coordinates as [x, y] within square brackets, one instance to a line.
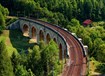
[68, 14]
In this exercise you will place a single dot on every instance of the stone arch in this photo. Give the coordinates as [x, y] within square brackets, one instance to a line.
[65, 55]
[48, 38]
[33, 32]
[60, 51]
[55, 40]
[41, 35]
[25, 30]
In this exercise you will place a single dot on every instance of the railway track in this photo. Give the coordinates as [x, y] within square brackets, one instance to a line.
[77, 60]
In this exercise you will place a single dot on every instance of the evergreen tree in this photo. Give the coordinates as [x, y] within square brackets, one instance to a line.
[34, 60]
[2, 20]
[50, 58]
[21, 71]
[101, 53]
[6, 68]
[15, 59]
[88, 8]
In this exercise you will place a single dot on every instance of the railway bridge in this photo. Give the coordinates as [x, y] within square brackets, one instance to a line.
[69, 45]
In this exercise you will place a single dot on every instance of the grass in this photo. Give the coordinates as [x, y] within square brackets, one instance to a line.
[15, 41]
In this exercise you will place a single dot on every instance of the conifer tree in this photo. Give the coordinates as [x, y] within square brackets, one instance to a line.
[6, 68]
[2, 20]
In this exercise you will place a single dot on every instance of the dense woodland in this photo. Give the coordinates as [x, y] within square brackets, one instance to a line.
[59, 12]
[66, 13]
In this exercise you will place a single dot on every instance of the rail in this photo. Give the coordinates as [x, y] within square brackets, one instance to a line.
[65, 40]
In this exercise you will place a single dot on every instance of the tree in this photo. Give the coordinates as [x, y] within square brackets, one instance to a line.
[69, 12]
[42, 45]
[34, 60]
[87, 41]
[103, 13]
[88, 8]
[50, 57]
[2, 20]
[75, 22]
[101, 53]
[74, 3]
[36, 54]
[30, 73]
[94, 34]
[96, 45]
[21, 71]
[4, 11]
[6, 68]
[15, 59]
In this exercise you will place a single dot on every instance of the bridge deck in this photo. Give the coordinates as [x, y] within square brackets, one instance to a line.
[76, 65]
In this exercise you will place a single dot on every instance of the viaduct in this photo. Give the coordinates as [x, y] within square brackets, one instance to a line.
[69, 45]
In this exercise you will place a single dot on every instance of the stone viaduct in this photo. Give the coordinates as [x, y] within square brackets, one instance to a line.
[40, 32]
[68, 45]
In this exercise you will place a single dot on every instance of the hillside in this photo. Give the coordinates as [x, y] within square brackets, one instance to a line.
[15, 41]
[69, 14]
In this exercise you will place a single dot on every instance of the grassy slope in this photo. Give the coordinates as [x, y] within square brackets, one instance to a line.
[15, 41]
[9, 46]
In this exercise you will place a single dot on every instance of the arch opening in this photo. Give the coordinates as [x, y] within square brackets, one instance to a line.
[25, 30]
[33, 32]
[33, 35]
[48, 38]
[60, 52]
[41, 35]
[55, 40]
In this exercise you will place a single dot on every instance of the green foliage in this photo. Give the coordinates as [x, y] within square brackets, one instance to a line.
[30, 73]
[2, 20]
[64, 13]
[55, 11]
[50, 58]
[4, 11]
[6, 68]
[101, 53]
[21, 71]
[87, 41]
[15, 59]
[42, 45]
[75, 22]
[93, 37]
[41, 60]
[1, 30]
[34, 58]
[50, 53]
[36, 53]
[19, 63]
[74, 26]
[101, 68]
